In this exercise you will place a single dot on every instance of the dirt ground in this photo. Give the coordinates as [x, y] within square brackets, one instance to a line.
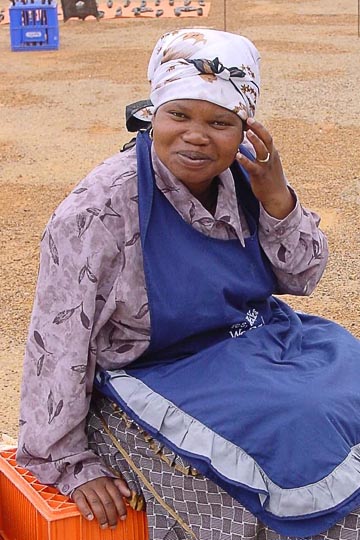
[62, 112]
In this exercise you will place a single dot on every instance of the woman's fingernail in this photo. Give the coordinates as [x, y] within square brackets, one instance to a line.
[123, 517]
[90, 517]
[104, 526]
[239, 155]
[250, 121]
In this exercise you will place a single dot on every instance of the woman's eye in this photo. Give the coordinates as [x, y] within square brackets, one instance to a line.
[220, 124]
[177, 114]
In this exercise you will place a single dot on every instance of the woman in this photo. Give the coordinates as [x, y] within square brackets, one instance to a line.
[156, 278]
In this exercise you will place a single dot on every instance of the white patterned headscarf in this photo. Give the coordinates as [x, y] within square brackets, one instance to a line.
[206, 64]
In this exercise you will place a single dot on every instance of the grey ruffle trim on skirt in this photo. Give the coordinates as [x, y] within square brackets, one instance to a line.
[227, 460]
[180, 503]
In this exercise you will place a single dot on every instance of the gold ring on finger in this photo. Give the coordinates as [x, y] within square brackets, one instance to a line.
[264, 160]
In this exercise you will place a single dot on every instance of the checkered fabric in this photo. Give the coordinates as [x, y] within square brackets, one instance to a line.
[199, 508]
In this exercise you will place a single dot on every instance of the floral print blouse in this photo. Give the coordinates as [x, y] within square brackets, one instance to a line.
[91, 304]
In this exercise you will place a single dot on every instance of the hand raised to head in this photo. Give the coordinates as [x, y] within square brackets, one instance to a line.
[266, 173]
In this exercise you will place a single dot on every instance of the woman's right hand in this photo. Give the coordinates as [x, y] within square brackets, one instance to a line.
[102, 499]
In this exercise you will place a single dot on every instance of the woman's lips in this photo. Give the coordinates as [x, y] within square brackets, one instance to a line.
[195, 159]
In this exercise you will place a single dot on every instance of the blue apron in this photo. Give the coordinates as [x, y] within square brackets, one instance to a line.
[262, 400]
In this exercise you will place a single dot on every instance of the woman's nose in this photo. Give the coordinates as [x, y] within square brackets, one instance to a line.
[196, 134]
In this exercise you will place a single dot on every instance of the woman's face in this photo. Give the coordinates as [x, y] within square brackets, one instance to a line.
[196, 140]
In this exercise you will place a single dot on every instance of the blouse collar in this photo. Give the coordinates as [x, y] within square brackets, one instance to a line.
[189, 207]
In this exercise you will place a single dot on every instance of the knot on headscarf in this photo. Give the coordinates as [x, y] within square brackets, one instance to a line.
[217, 68]
[192, 64]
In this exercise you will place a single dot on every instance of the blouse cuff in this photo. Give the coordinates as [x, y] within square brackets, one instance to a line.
[280, 228]
[78, 474]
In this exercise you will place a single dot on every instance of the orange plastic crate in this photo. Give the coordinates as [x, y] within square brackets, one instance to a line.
[32, 511]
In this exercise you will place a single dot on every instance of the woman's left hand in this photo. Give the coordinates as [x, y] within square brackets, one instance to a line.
[266, 173]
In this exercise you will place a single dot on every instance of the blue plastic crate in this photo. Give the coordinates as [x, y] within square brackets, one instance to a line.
[34, 26]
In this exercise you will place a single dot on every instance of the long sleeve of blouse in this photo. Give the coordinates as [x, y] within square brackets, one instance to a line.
[75, 270]
[91, 306]
[296, 248]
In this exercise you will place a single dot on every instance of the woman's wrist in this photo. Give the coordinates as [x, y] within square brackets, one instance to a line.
[280, 206]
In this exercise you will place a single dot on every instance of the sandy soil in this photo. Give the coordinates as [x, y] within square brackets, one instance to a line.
[62, 112]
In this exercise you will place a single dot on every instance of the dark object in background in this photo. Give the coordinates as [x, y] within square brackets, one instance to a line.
[182, 9]
[80, 9]
[139, 10]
